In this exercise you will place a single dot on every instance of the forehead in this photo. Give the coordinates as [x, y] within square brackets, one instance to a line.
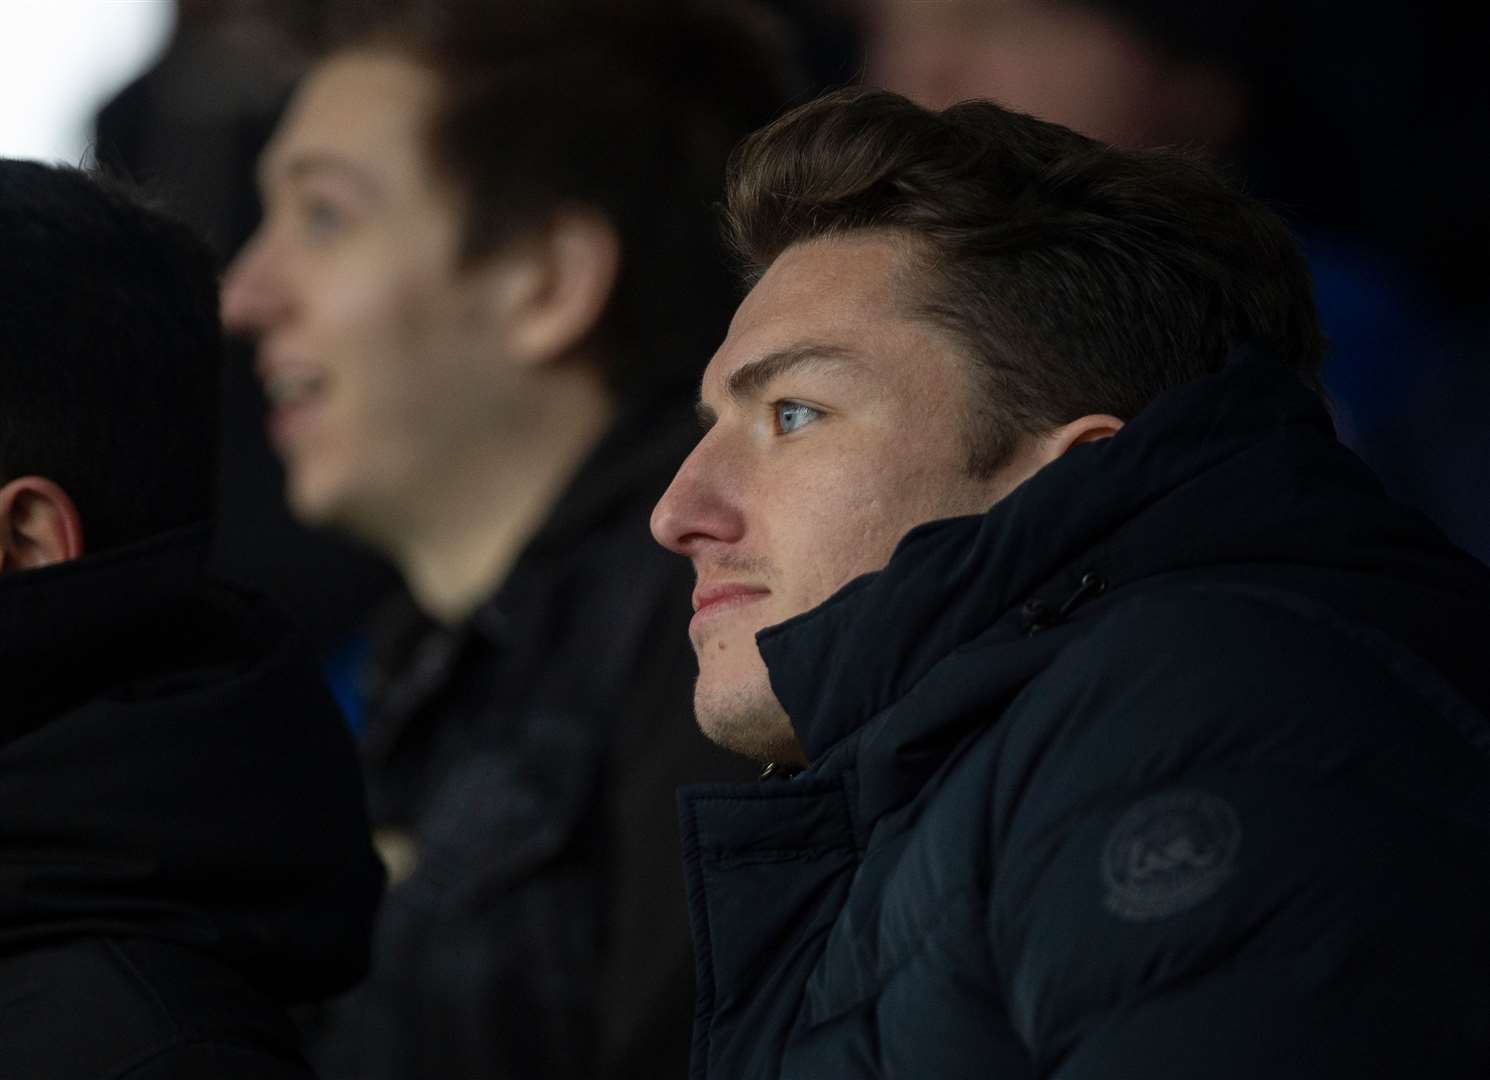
[364, 109]
[846, 292]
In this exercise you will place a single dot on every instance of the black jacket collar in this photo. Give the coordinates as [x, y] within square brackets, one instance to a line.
[176, 769]
[67, 629]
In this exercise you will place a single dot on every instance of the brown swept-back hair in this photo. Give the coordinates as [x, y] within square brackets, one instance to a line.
[627, 107]
[1080, 278]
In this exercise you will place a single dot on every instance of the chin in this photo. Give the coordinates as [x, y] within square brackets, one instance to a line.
[317, 504]
[308, 503]
[746, 719]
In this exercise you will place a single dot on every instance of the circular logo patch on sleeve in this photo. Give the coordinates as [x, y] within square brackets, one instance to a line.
[1168, 853]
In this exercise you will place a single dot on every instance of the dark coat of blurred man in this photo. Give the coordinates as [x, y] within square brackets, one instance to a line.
[487, 280]
[1174, 762]
[184, 851]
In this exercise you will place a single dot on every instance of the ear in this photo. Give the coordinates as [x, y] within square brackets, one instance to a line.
[39, 525]
[554, 284]
[1085, 429]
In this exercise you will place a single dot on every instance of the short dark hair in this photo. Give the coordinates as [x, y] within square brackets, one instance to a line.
[1080, 278]
[629, 108]
[110, 352]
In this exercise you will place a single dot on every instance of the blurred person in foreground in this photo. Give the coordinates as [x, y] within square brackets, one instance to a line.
[488, 276]
[182, 829]
[1133, 731]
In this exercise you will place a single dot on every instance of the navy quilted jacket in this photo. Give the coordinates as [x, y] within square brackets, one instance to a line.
[1174, 764]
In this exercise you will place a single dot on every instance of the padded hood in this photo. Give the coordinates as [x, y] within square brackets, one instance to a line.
[172, 766]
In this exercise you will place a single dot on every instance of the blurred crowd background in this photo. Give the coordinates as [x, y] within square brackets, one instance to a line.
[1364, 124]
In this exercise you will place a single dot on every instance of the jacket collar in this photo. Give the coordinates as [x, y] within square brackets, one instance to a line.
[69, 628]
[1128, 506]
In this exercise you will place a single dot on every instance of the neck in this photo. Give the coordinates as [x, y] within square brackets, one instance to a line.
[489, 506]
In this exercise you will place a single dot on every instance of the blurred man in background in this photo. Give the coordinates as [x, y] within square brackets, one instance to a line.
[189, 131]
[181, 820]
[1137, 733]
[486, 279]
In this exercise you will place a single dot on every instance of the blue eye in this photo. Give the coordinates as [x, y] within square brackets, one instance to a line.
[793, 415]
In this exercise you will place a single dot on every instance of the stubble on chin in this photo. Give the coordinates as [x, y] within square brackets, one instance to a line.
[745, 718]
[732, 700]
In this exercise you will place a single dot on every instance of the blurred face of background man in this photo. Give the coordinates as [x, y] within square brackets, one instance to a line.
[376, 346]
[835, 425]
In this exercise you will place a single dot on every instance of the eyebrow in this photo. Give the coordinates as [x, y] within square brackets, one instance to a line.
[311, 162]
[749, 379]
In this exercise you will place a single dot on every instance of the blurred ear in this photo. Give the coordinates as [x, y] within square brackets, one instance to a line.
[552, 287]
[39, 525]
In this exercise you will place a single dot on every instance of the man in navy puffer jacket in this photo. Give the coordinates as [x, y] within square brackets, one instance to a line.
[1174, 762]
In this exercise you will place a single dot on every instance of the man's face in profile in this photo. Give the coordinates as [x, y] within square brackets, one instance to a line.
[836, 424]
[373, 348]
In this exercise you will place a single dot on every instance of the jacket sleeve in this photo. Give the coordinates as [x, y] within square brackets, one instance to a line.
[1230, 842]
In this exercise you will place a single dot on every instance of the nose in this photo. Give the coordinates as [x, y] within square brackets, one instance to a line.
[702, 506]
[253, 295]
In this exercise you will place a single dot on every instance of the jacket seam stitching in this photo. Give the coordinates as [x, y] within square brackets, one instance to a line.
[923, 938]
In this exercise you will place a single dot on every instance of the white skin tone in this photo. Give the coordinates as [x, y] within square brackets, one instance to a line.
[836, 425]
[430, 408]
[39, 525]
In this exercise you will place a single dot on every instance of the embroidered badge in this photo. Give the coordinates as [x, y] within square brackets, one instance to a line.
[1168, 853]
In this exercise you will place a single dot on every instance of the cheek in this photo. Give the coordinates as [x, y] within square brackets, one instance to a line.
[850, 523]
[387, 345]
[355, 288]
[373, 294]
[840, 525]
